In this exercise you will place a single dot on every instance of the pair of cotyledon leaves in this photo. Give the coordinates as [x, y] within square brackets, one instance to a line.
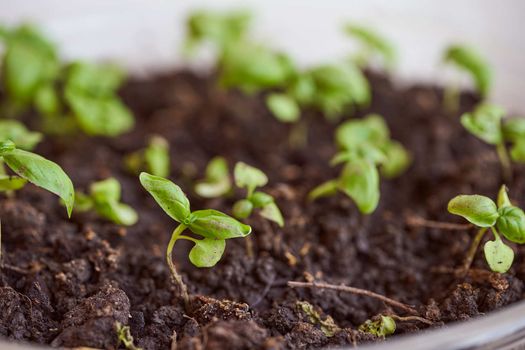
[502, 217]
[213, 226]
[364, 146]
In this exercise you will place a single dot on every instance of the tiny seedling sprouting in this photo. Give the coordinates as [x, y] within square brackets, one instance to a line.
[213, 226]
[155, 158]
[90, 92]
[380, 326]
[104, 199]
[37, 170]
[487, 123]
[502, 218]
[365, 146]
[217, 182]
[466, 59]
[249, 178]
[124, 337]
[219, 29]
[372, 44]
[332, 89]
[29, 67]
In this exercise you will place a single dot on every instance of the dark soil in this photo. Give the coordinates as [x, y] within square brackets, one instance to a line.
[66, 282]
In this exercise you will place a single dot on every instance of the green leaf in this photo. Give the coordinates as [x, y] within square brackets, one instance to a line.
[106, 190]
[325, 189]
[373, 42]
[382, 327]
[119, 213]
[15, 131]
[168, 195]
[517, 152]
[242, 209]
[105, 116]
[94, 79]
[83, 202]
[207, 252]
[353, 134]
[271, 212]
[157, 157]
[47, 101]
[283, 107]
[43, 173]
[213, 224]
[503, 197]
[360, 181]
[397, 159]
[514, 129]
[303, 89]
[469, 60]
[251, 67]
[479, 210]
[11, 183]
[217, 181]
[248, 177]
[29, 62]
[260, 199]
[511, 224]
[485, 123]
[220, 29]
[498, 255]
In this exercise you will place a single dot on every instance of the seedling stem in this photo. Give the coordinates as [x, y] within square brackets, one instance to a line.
[176, 277]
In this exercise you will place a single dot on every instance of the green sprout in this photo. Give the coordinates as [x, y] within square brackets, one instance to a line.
[104, 199]
[217, 181]
[365, 146]
[220, 29]
[381, 326]
[502, 218]
[249, 178]
[91, 94]
[467, 59]
[124, 337]
[155, 158]
[487, 123]
[30, 66]
[17, 132]
[213, 226]
[331, 89]
[372, 44]
[36, 169]
[252, 67]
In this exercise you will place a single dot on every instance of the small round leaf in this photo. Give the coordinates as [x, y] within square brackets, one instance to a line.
[511, 224]
[211, 223]
[479, 210]
[242, 209]
[168, 195]
[207, 252]
[283, 107]
[498, 255]
[249, 176]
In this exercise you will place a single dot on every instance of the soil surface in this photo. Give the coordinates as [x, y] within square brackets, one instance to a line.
[67, 282]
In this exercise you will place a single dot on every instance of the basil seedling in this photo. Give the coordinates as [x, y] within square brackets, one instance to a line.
[467, 59]
[37, 170]
[217, 181]
[249, 178]
[487, 123]
[91, 94]
[104, 199]
[30, 66]
[372, 44]
[17, 132]
[214, 227]
[331, 89]
[502, 218]
[155, 158]
[220, 29]
[365, 149]
[381, 326]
